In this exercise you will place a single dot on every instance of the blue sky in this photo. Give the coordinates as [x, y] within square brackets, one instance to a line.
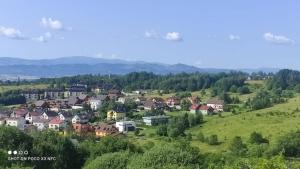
[219, 34]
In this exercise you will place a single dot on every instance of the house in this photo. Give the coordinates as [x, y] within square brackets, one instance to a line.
[155, 120]
[76, 90]
[125, 126]
[195, 108]
[83, 128]
[140, 99]
[49, 115]
[30, 116]
[157, 100]
[80, 118]
[83, 97]
[206, 110]
[65, 116]
[104, 129]
[216, 104]
[95, 103]
[41, 104]
[74, 100]
[173, 101]
[18, 113]
[33, 94]
[114, 94]
[122, 99]
[5, 113]
[150, 104]
[57, 124]
[18, 122]
[53, 94]
[116, 114]
[41, 124]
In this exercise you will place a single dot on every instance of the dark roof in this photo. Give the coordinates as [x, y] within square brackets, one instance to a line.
[119, 109]
[51, 113]
[66, 114]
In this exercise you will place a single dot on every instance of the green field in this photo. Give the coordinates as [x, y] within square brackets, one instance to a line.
[4, 88]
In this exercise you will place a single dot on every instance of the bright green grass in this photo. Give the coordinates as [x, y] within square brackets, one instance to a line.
[271, 126]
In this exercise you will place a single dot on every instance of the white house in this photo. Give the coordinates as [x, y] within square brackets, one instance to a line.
[155, 120]
[124, 126]
[216, 104]
[41, 124]
[95, 104]
[49, 115]
[65, 116]
[16, 122]
[57, 124]
[80, 118]
[30, 116]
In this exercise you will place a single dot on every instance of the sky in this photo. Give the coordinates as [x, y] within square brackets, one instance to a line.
[206, 33]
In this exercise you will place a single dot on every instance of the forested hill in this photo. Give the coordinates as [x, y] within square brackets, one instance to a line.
[285, 79]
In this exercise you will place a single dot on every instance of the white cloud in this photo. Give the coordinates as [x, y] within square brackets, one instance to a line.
[53, 24]
[277, 39]
[112, 56]
[43, 38]
[173, 36]
[151, 34]
[234, 37]
[12, 33]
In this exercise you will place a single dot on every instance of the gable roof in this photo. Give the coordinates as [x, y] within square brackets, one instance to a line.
[56, 120]
[66, 114]
[39, 103]
[34, 113]
[51, 113]
[215, 101]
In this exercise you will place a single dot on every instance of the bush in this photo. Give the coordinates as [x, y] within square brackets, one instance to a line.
[257, 138]
[162, 130]
[289, 145]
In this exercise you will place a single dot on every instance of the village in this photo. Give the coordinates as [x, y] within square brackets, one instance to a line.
[75, 109]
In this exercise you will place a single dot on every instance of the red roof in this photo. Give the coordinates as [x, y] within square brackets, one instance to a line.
[205, 107]
[56, 120]
[195, 107]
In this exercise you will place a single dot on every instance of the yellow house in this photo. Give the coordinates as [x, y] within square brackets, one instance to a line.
[115, 115]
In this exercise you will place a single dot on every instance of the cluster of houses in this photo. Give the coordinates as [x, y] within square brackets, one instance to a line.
[52, 109]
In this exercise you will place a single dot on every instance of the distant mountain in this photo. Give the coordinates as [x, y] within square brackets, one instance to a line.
[68, 66]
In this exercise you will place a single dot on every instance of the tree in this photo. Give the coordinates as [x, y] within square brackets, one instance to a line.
[200, 137]
[116, 160]
[237, 147]
[289, 144]
[185, 104]
[243, 90]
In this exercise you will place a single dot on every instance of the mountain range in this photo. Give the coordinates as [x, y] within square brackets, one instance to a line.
[68, 66]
